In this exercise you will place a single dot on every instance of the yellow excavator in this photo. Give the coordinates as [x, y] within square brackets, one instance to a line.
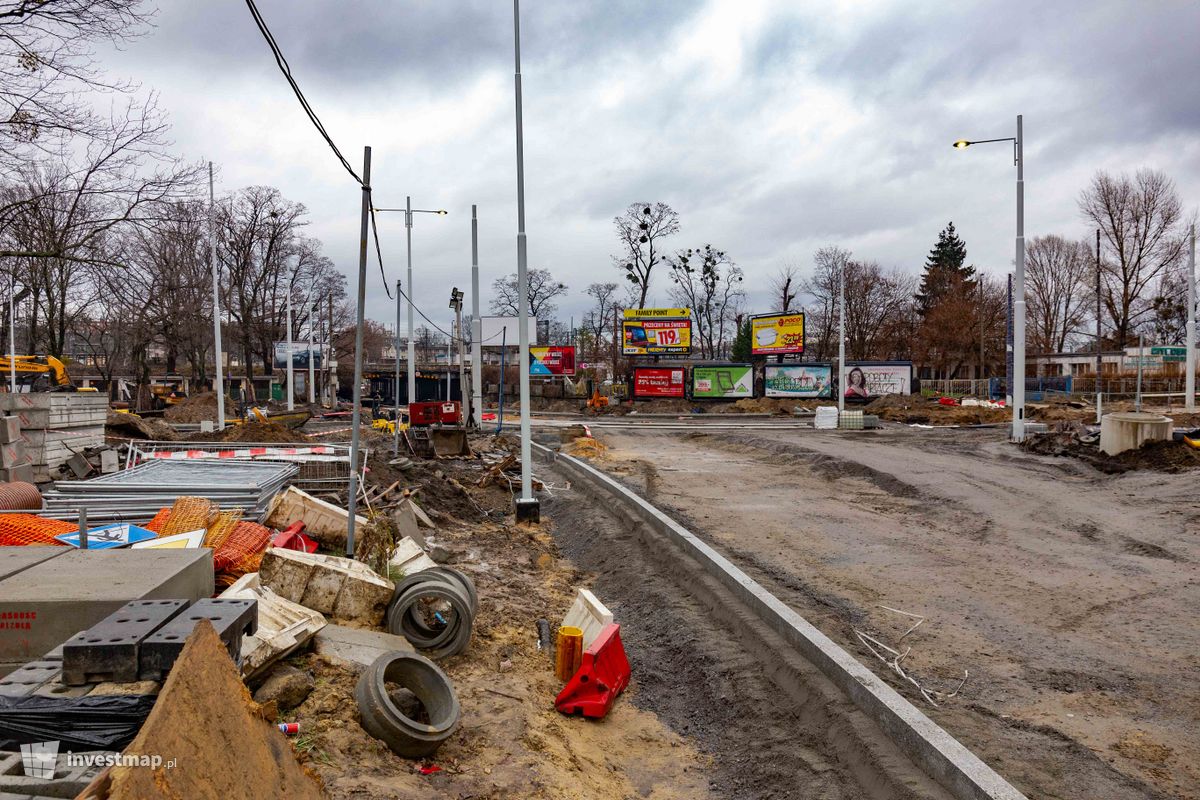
[39, 373]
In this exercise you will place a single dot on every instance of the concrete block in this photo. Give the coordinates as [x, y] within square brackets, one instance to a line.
[48, 602]
[13, 454]
[10, 429]
[1128, 430]
[357, 646]
[340, 587]
[108, 462]
[16, 559]
[589, 615]
[109, 650]
[23, 472]
[68, 781]
[232, 618]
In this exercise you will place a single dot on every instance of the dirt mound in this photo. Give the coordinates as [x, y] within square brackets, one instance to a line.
[587, 447]
[203, 715]
[1166, 456]
[918, 410]
[197, 408]
[758, 405]
[131, 426]
[266, 432]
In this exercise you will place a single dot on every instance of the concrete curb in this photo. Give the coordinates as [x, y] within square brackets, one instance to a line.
[935, 751]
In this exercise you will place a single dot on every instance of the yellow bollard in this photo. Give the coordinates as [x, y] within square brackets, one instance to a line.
[568, 652]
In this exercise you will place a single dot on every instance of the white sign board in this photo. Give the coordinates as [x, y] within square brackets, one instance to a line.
[506, 330]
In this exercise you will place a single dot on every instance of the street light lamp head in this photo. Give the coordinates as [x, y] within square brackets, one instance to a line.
[442, 212]
[961, 143]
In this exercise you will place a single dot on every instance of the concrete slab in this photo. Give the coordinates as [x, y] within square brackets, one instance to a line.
[16, 559]
[357, 646]
[47, 603]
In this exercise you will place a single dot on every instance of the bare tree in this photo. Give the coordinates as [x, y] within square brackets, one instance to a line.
[821, 319]
[49, 79]
[1139, 220]
[708, 282]
[599, 320]
[542, 286]
[1058, 278]
[785, 286]
[640, 230]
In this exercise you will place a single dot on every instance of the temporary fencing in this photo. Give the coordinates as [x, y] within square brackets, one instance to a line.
[323, 465]
[25, 529]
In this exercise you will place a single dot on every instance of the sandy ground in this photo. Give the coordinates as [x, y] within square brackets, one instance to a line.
[1068, 595]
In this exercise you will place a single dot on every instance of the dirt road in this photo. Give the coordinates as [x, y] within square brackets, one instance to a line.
[1067, 595]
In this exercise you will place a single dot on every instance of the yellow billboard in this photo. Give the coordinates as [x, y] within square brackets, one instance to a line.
[656, 331]
[772, 334]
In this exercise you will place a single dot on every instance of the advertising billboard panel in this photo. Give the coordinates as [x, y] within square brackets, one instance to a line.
[505, 331]
[299, 355]
[799, 380]
[722, 381]
[552, 361]
[776, 334]
[658, 382]
[656, 331]
[866, 379]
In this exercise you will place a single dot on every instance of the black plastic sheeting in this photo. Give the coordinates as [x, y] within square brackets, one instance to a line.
[107, 722]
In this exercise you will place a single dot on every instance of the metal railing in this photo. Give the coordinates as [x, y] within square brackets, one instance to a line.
[324, 466]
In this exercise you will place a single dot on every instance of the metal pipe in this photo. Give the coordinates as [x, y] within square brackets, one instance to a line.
[356, 413]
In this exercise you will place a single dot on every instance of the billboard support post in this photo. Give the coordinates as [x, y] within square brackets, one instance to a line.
[476, 328]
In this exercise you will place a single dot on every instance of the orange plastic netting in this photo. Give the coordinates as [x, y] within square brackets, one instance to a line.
[156, 524]
[241, 551]
[188, 514]
[26, 529]
[221, 528]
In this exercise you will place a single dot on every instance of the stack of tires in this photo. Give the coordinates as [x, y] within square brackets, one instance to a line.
[434, 609]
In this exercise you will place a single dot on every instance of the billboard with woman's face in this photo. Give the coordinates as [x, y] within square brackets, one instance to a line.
[867, 379]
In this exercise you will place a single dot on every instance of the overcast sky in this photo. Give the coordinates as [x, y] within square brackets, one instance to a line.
[773, 128]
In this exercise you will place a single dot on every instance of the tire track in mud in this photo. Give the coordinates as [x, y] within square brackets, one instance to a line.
[774, 726]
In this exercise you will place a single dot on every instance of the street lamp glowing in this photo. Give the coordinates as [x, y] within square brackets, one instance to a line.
[961, 143]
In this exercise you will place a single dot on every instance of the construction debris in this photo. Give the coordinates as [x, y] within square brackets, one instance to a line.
[392, 725]
[283, 626]
[323, 521]
[435, 610]
[339, 587]
[357, 647]
[205, 712]
[589, 615]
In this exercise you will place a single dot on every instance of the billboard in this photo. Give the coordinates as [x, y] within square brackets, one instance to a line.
[552, 361]
[505, 331]
[656, 331]
[722, 381]
[658, 382]
[299, 355]
[799, 380]
[866, 379]
[776, 334]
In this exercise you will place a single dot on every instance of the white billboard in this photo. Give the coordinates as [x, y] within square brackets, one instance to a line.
[506, 331]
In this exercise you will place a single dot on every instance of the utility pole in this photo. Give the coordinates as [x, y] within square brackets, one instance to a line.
[412, 345]
[1137, 405]
[291, 376]
[842, 337]
[1018, 423]
[12, 335]
[396, 384]
[330, 374]
[1099, 342]
[356, 413]
[212, 263]
[312, 374]
[527, 507]
[476, 328]
[1190, 387]
[448, 368]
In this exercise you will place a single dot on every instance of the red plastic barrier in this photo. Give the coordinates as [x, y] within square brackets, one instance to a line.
[292, 538]
[947, 401]
[603, 674]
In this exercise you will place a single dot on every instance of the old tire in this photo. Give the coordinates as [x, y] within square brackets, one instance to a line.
[450, 640]
[381, 718]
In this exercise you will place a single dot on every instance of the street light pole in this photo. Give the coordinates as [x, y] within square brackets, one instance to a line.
[412, 346]
[396, 385]
[527, 507]
[212, 261]
[291, 375]
[1190, 388]
[356, 412]
[476, 328]
[842, 337]
[312, 370]
[1017, 388]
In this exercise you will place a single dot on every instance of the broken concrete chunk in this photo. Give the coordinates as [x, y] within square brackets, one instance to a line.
[409, 558]
[286, 686]
[283, 626]
[340, 587]
[356, 646]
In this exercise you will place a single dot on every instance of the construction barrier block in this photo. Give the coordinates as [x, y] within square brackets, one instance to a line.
[603, 674]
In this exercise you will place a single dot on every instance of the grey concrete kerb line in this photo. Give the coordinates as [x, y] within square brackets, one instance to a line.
[938, 753]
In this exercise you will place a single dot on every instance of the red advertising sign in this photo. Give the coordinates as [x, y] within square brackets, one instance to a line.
[553, 360]
[658, 382]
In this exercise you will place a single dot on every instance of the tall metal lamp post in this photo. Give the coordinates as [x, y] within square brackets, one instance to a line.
[1018, 387]
[412, 345]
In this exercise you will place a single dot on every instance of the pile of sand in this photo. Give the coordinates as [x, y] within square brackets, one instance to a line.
[197, 408]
